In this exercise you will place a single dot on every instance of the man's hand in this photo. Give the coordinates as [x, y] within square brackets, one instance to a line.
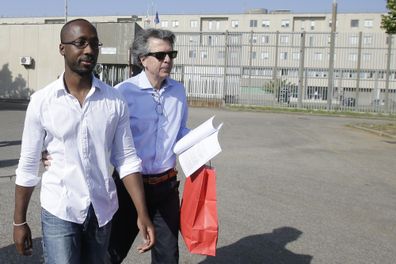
[147, 230]
[134, 185]
[46, 159]
[23, 240]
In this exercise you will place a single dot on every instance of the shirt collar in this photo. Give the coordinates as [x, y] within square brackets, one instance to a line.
[61, 89]
[144, 83]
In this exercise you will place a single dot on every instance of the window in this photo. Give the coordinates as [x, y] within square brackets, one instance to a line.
[175, 23]
[234, 55]
[310, 41]
[253, 23]
[318, 56]
[253, 40]
[284, 39]
[330, 23]
[164, 23]
[253, 55]
[283, 55]
[302, 25]
[234, 23]
[204, 54]
[265, 24]
[296, 56]
[265, 55]
[368, 23]
[55, 21]
[193, 23]
[285, 23]
[265, 39]
[210, 25]
[352, 57]
[354, 40]
[210, 41]
[234, 40]
[221, 54]
[354, 23]
[194, 39]
[312, 25]
[366, 56]
[192, 54]
[368, 40]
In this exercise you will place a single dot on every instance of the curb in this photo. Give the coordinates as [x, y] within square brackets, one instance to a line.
[379, 133]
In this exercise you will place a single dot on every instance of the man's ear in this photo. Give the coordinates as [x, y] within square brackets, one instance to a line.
[62, 49]
[142, 59]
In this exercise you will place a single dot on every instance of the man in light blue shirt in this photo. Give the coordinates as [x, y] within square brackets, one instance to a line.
[158, 115]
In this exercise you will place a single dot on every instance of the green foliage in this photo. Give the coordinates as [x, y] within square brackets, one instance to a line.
[274, 86]
[388, 22]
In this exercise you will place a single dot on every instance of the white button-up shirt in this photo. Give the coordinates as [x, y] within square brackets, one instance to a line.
[83, 141]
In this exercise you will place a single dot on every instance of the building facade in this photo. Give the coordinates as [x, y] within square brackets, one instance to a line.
[257, 57]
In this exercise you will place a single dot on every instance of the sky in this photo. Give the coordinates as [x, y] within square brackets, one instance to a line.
[38, 8]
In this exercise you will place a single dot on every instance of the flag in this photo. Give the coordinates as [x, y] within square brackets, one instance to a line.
[156, 19]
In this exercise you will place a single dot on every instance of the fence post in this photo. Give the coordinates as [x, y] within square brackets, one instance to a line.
[250, 59]
[330, 82]
[358, 69]
[275, 69]
[301, 70]
[388, 62]
[225, 65]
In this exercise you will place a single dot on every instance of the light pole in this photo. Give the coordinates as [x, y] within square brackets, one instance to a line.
[65, 11]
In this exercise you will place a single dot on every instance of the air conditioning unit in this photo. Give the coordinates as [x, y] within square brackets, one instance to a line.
[26, 60]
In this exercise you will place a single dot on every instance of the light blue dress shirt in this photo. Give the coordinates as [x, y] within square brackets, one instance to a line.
[158, 120]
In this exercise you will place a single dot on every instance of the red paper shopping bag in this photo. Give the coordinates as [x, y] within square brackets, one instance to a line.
[198, 214]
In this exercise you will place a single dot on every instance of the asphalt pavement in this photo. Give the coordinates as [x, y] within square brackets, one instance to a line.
[291, 188]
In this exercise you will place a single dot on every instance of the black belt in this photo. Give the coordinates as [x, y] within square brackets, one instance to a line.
[158, 178]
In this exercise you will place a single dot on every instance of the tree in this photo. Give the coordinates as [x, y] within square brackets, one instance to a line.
[280, 88]
[389, 21]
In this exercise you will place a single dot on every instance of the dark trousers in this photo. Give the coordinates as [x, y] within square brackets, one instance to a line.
[163, 205]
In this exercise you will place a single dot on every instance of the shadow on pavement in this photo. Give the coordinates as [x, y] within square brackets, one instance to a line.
[8, 163]
[264, 248]
[13, 104]
[9, 143]
[9, 254]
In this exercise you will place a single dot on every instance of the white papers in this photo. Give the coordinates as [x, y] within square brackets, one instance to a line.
[198, 147]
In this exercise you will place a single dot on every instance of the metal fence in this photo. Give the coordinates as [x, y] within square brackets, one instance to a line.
[289, 69]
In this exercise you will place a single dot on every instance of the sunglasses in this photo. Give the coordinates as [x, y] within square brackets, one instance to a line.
[160, 55]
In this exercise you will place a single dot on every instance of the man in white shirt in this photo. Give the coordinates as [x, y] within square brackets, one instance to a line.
[84, 125]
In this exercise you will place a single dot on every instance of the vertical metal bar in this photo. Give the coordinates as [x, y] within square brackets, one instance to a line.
[226, 50]
[275, 69]
[388, 62]
[301, 70]
[330, 82]
[358, 69]
[250, 59]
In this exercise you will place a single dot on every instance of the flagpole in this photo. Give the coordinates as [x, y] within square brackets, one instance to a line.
[65, 11]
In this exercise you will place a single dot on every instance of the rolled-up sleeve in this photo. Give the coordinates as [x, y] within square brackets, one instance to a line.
[124, 156]
[32, 142]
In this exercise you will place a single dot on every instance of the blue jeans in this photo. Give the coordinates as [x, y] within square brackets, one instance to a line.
[70, 243]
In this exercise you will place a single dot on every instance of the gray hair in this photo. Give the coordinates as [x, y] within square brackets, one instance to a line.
[140, 45]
